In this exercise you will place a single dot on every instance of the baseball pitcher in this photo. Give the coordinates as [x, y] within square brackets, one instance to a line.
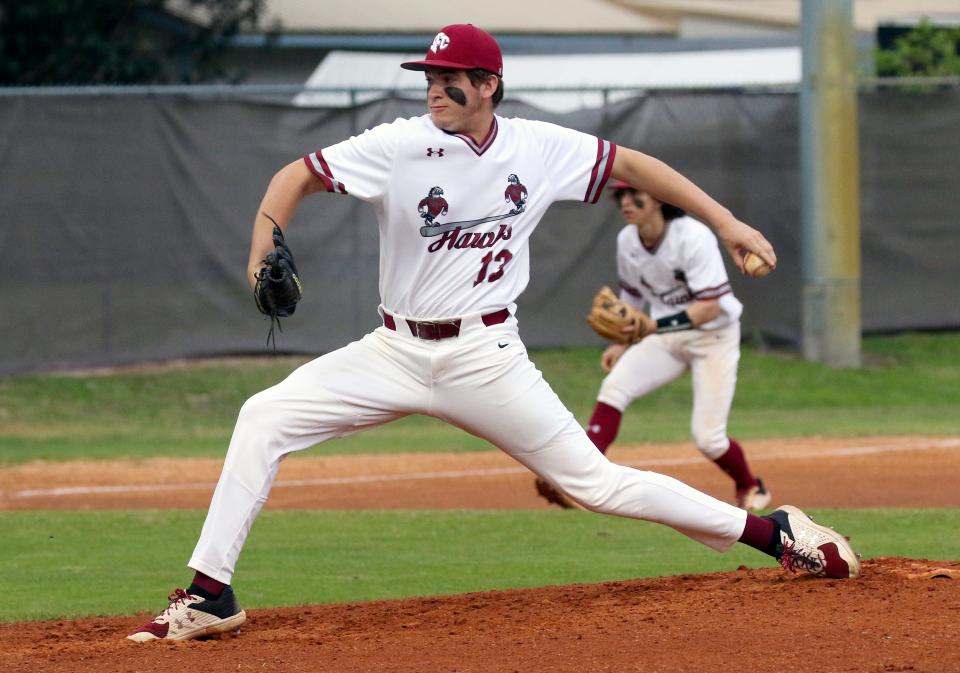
[449, 344]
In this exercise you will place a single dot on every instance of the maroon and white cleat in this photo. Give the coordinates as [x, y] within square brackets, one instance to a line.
[190, 616]
[809, 547]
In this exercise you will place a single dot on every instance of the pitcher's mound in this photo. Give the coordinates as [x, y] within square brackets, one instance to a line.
[901, 615]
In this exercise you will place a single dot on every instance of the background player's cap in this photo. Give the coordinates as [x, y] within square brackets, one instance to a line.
[461, 46]
[619, 184]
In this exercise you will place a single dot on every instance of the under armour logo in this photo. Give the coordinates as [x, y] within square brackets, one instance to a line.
[431, 151]
[180, 623]
[594, 429]
[441, 41]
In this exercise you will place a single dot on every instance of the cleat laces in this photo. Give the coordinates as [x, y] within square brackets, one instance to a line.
[796, 558]
[178, 596]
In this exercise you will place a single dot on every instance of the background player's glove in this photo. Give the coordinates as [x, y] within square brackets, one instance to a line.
[618, 321]
[278, 287]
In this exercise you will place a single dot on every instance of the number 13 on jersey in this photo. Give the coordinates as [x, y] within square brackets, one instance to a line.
[502, 258]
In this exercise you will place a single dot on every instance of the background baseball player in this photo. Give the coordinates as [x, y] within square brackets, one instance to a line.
[449, 344]
[672, 264]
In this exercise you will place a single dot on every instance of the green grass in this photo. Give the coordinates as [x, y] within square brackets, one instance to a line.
[73, 564]
[909, 384]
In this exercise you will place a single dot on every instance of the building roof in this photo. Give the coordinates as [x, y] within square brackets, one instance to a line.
[574, 16]
[426, 16]
[601, 78]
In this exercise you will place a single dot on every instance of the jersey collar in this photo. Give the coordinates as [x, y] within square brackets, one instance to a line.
[652, 249]
[484, 145]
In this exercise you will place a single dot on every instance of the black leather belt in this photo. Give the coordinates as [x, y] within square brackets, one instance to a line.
[434, 330]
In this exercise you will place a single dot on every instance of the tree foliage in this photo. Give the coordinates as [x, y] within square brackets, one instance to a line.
[119, 41]
[926, 51]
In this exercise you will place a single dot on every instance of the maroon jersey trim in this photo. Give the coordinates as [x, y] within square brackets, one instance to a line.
[713, 292]
[652, 249]
[315, 160]
[606, 152]
[484, 145]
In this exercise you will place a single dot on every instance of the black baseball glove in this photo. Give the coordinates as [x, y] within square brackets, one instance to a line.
[278, 287]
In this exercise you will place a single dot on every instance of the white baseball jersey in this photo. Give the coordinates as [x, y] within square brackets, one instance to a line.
[685, 265]
[456, 216]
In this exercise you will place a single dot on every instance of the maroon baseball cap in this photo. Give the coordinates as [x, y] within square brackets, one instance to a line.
[620, 184]
[461, 46]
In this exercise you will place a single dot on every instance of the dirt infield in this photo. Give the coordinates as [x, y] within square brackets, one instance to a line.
[810, 472]
[902, 615]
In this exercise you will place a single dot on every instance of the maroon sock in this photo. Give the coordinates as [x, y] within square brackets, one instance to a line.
[760, 533]
[207, 585]
[734, 463]
[604, 426]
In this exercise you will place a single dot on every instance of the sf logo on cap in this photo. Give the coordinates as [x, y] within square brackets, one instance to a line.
[441, 41]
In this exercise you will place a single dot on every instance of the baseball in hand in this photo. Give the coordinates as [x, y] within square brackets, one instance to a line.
[755, 266]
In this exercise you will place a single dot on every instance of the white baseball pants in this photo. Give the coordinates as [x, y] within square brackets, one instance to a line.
[481, 381]
[712, 357]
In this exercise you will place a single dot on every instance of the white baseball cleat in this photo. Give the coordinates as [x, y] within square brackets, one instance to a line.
[807, 546]
[190, 616]
[754, 498]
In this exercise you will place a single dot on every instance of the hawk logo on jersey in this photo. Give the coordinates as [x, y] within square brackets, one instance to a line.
[515, 193]
[433, 205]
[441, 41]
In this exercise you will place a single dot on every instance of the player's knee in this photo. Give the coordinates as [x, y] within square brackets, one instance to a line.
[711, 443]
[614, 395]
[260, 412]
